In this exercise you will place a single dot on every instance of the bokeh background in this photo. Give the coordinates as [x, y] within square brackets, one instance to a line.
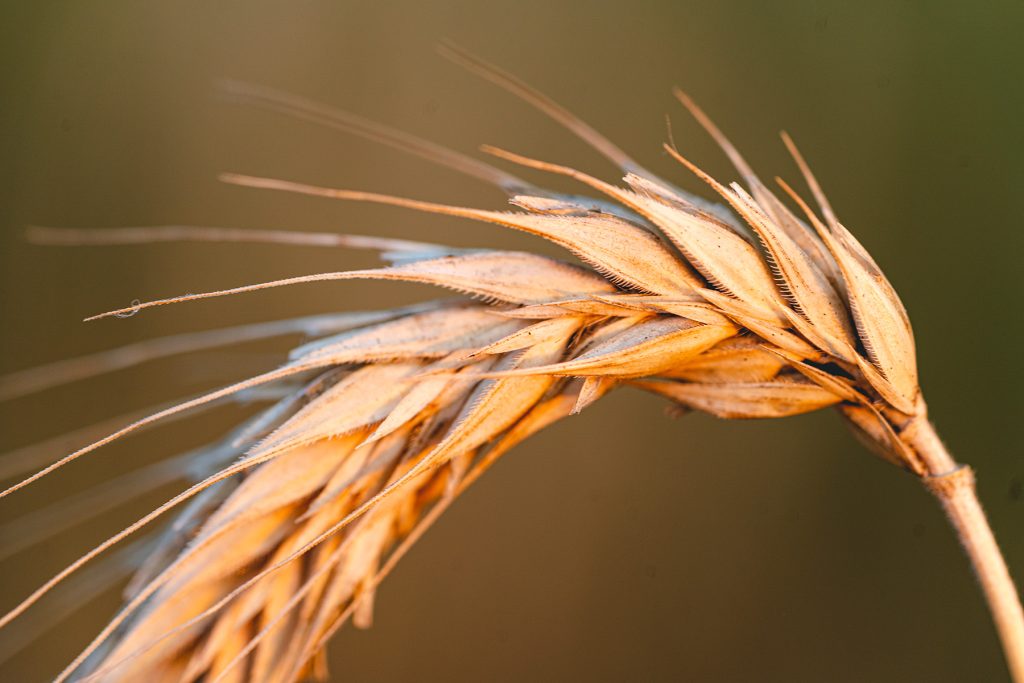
[620, 545]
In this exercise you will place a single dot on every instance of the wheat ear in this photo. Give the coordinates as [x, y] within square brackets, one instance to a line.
[741, 309]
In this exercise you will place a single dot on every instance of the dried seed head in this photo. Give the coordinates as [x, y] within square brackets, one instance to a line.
[398, 412]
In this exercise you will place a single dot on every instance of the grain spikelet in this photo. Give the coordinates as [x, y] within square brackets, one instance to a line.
[385, 417]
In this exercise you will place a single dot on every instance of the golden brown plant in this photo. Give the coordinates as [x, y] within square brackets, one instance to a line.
[742, 310]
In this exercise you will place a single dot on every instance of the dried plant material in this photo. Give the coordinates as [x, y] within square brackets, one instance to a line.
[62, 372]
[592, 389]
[737, 359]
[779, 398]
[647, 348]
[738, 310]
[514, 277]
[796, 230]
[882, 322]
[427, 335]
[544, 331]
[725, 259]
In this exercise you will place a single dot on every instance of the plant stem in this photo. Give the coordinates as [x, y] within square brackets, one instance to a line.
[953, 485]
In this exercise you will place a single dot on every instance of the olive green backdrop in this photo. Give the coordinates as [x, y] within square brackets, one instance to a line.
[620, 545]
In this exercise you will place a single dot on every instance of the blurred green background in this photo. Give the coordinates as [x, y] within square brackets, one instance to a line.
[619, 545]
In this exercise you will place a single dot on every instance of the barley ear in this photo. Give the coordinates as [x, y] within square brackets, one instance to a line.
[286, 526]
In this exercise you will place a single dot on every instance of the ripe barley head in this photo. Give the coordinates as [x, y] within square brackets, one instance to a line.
[741, 309]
